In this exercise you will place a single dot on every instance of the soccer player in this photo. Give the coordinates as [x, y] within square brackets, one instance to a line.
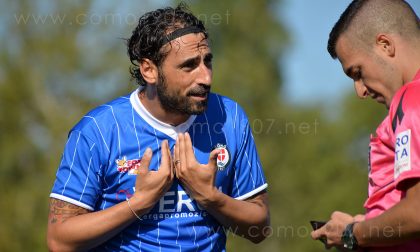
[168, 167]
[378, 45]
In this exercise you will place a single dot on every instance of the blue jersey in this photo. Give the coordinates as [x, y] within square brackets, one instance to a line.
[103, 150]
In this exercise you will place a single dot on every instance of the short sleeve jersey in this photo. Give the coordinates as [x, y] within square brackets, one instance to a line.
[395, 156]
[103, 151]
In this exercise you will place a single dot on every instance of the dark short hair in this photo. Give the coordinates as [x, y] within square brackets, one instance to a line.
[365, 18]
[149, 36]
[343, 24]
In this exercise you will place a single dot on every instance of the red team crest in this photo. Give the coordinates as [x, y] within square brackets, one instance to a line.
[223, 157]
[130, 166]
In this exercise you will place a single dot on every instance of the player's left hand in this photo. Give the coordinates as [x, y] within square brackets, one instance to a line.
[197, 179]
[333, 230]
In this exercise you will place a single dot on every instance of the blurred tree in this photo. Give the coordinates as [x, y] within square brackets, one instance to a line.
[47, 71]
[61, 59]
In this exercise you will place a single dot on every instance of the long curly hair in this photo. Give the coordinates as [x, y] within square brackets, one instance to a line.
[148, 37]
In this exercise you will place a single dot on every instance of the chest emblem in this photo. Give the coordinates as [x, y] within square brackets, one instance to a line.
[128, 166]
[223, 157]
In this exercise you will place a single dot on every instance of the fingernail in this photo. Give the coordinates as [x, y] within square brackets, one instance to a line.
[148, 151]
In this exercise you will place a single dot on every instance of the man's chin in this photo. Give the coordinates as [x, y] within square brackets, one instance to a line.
[198, 108]
[382, 100]
[384, 103]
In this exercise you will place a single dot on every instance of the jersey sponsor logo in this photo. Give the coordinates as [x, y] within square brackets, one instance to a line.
[223, 157]
[173, 204]
[402, 153]
[128, 166]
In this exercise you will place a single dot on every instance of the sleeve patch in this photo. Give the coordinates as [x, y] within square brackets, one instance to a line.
[402, 153]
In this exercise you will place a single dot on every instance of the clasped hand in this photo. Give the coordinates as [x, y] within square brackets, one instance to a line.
[197, 179]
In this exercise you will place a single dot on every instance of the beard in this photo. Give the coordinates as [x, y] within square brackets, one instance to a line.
[173, 101]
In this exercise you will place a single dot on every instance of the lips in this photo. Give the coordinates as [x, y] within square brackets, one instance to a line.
[199, 97]
[199, 94]
[199, 91]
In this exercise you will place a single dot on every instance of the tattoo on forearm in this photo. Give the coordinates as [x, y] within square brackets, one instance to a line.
[61, 211]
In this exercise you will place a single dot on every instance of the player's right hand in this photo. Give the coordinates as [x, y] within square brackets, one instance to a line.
[152, 185]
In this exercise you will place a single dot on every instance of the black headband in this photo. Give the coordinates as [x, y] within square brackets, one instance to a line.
[181, 32]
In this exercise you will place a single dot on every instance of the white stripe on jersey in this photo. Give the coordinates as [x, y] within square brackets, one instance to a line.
[208, 129]
[100, 132]
[157, 239]
[138, 236]
[251, 193]
[72, 162]
[261, 175]
[122, 240]
[158, 149]
[177, 228]
[135, 130]
[220, 105]
[61, 162]
[195, 233]
[249, 165]
[87, 177]
[236, 179]
[236, 114]
[118, 131]
[107, 187]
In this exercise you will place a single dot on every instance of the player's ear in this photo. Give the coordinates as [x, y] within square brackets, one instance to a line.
[385, 44]
[149, 71]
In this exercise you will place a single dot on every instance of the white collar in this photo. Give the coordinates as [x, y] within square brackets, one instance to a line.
[171, 131]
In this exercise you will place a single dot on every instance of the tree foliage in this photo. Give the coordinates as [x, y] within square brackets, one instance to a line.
[59, 60]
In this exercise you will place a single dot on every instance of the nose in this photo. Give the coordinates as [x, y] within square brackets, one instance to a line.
[361, 90]
[205, 75]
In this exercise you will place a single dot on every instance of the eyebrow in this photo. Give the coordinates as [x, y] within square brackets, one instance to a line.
[208, 56]
[189, 61]
[349, 71]
[194, 60]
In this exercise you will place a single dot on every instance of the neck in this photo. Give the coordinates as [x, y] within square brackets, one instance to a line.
[150, 100]
[411, 64]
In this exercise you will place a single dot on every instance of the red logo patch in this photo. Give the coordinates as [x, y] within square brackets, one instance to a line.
[130, 166]
[223, 157]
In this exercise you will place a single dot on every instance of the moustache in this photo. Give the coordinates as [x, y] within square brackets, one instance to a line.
[199, 90]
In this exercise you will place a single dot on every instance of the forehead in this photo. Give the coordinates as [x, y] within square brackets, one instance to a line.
[345, 51]
[187, 46]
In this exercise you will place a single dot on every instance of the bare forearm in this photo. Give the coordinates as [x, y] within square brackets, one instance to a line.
[395, 226]
[249, 218]
[88, 230]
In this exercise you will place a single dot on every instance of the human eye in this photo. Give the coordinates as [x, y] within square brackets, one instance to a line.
[357, 74]
[189, 64]
[208, 61]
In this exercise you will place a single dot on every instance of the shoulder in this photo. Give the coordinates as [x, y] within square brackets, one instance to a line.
[411, 93]
[104, 116]
[407, 95]
[225, 105]
[405, 107]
